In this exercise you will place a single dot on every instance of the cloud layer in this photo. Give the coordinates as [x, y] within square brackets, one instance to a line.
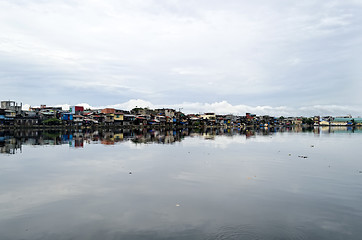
[203, 54]
[224, 107]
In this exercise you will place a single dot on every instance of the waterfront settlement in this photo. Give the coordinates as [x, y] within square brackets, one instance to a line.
[13, 116]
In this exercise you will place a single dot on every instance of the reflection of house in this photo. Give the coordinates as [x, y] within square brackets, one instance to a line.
[169, 139]
[76, 143]
[9, 144]
[78, 140]
[118, 137]
[108, 138]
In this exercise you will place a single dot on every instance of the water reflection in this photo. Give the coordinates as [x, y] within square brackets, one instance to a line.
[185, 184]
[11, 141]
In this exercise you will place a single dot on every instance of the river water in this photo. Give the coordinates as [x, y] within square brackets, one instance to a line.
[182, 184]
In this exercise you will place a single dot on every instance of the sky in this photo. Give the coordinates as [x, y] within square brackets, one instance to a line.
[276, 57]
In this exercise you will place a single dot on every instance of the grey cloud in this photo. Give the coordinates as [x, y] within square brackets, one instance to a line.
[277, 53]
[224, 107]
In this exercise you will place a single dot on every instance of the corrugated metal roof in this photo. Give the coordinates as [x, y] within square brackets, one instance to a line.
[342, 119]
[358, 120]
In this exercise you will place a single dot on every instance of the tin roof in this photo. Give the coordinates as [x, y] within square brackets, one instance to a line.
[342, 119]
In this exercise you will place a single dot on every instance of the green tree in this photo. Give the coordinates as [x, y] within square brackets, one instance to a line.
[52, 121]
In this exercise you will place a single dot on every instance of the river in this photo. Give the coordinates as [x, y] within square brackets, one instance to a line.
[183, 184]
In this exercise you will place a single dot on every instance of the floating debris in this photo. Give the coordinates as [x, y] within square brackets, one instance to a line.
[300, 156]
[130, 172]
[290, 154]
[177, 205]
[311, 145]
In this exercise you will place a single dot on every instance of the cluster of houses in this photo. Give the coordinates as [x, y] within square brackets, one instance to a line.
[11, 114]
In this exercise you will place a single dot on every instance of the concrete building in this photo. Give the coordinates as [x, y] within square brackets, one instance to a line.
[11, 106]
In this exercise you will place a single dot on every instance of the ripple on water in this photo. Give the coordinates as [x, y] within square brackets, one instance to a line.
[285, 232]
[235, 232]
[250, 232]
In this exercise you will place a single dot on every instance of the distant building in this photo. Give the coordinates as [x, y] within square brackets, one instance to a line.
[108, 111]
[316, 120]
[298, 121]
[11, 107]
[169, 114]
[208, 116]
[342, 121]
[76, 110]
[108, 114]
[142, 111]
[67, 116]
[118, 117]
[78, 119]
[8, 112]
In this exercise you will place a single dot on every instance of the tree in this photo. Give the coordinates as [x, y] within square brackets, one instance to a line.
[308, 121]
[52, 121]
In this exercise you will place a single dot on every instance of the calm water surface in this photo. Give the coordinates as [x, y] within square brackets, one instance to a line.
[181, 185]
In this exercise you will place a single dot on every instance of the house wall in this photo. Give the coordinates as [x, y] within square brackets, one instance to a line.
[118, 117]
[108, 110]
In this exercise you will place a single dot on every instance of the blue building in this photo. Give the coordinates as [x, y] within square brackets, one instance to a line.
[66, 116]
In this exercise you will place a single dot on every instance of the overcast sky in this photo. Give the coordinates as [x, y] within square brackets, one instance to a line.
[264, 56]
